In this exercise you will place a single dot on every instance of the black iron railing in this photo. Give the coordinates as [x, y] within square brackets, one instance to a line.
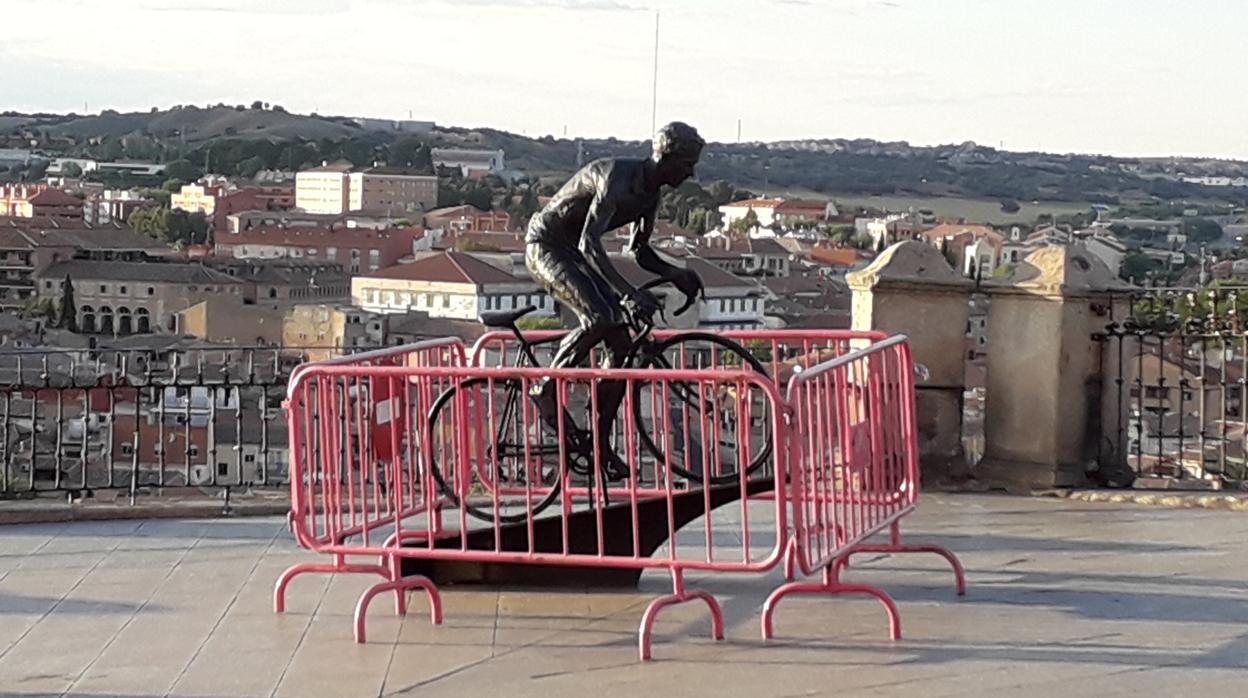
[1181, 357]
[135, 421]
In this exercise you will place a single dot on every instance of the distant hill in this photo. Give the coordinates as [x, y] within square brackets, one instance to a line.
[830, 166]
[196, 124]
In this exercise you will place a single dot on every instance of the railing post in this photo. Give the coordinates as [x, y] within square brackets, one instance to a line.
[911, 289]
[1048, 384]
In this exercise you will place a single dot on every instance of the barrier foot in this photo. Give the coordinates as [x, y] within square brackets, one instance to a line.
[678, 595]
[399, 586]
[831, 584]
[894, 545]
[284, 579]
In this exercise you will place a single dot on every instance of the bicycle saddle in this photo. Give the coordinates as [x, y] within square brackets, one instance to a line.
[504, 318]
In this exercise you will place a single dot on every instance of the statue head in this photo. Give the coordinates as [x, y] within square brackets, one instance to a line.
[677, 147]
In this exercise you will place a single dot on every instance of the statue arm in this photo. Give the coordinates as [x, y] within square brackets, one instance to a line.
[639, 247]
[596, 222]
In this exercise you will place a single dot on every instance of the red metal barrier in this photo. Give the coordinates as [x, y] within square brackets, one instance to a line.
[853, 467]
[473, 470]
[332, 507]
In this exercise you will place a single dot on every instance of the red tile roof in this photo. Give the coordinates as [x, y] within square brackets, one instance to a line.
[756, 203]
[54, 197]
[307, 235]
[447, 267]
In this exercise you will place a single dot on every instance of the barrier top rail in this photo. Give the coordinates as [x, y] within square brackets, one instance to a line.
[808, 374]
[369, 358]
[782, 335]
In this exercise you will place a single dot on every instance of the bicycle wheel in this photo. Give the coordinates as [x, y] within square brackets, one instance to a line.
[485, 458]
[698, 415]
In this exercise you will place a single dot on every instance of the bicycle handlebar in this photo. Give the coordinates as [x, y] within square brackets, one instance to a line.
[689, 299]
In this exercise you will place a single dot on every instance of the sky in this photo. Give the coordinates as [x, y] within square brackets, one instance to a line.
[1122, 77]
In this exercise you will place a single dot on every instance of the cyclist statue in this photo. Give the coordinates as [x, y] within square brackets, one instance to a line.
[565, 255]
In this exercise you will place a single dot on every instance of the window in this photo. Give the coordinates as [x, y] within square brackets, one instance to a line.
[446, 300]
[47, 284]
[151, 291]
[194, 450]
[122, 290]
[249, 458]
[103, 288]
[127, 449]
[223, 469]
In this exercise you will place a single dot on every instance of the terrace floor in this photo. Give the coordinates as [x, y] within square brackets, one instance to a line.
[1066, 599]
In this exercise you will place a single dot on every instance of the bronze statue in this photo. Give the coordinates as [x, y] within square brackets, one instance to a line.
[565, 255]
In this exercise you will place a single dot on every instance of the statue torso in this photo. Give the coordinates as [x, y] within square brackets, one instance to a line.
[618, 182]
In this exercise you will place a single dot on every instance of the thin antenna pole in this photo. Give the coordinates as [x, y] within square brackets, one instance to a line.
[654, 94]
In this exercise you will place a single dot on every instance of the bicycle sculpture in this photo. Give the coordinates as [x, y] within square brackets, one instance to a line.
[512, 455]
[565, 254]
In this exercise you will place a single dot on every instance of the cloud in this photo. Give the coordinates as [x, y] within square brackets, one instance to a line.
[609, 5]
[273, 7]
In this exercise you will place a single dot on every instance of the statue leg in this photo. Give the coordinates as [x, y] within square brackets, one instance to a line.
[565, 274]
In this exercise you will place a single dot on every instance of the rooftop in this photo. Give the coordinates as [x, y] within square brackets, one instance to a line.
[951, 229]
[1065, 599]
[308, 235]
[54, 197]
[447, 267]
[397, 170]
[755, 203]
[160, 272]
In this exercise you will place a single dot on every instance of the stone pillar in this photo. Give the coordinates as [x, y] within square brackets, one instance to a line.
[1050, 386]
[910, 289]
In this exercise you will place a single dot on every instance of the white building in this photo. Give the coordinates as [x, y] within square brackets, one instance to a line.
[324, 189]
[471, 163]
[449, 285]
[980, 258]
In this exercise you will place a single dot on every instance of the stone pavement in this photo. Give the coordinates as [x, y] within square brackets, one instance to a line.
[1066, 599]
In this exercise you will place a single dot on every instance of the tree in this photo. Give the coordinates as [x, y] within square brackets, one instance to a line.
[250, 167]
[1201, 230]
[185, 228]
[1137, 266]
[699, 221]
[36, 171]
[72, 169]
[1010, 206]
[183, 170]
[745, 224]
[39, 308]
[481, 197]
[257, 105]
[68, 311]
[172, 186]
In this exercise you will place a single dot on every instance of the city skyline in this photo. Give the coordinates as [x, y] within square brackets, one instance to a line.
[1069, 77]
